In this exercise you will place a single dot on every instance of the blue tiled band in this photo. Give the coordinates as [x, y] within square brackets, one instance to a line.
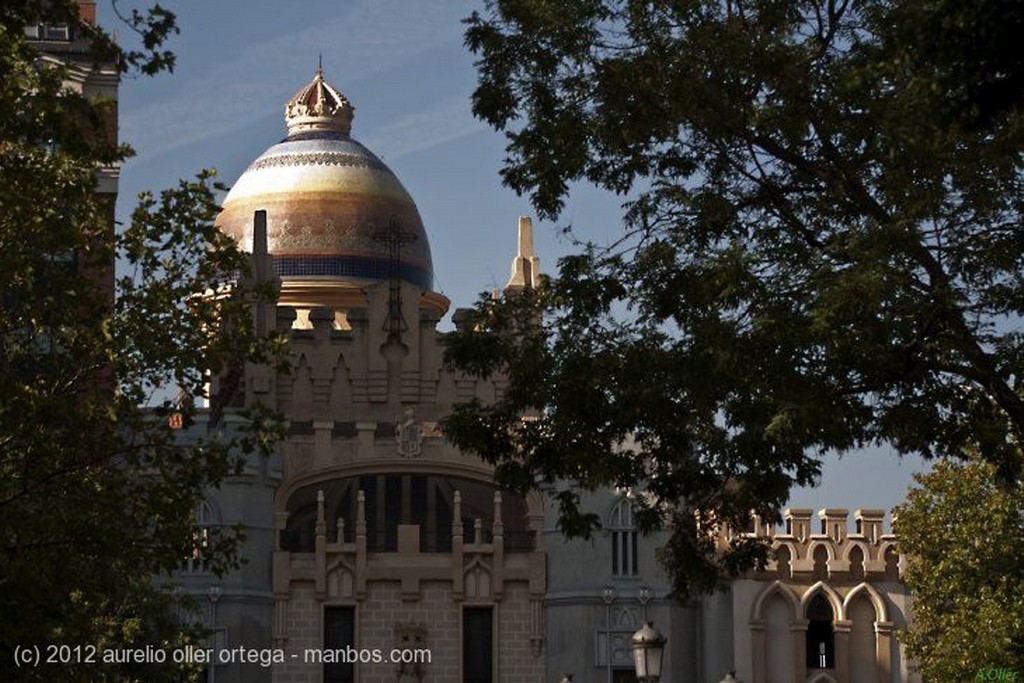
[349, 266]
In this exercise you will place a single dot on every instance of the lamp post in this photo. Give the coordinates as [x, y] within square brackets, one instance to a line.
[608, 595]
[213, 593]
[648, 648]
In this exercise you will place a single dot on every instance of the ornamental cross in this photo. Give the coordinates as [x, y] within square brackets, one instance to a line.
[394, 237]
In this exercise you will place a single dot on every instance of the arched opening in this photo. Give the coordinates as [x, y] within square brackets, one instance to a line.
[783, 560]
[820, 557]
[203, 528]
[857, 564]
[861, 615]
[396, 498]
[779, 664]
[624, 539]
[892, 564]
[821, 642]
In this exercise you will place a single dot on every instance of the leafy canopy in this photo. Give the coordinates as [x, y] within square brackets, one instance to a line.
[962, 528]
[96, 491]
[822, 248]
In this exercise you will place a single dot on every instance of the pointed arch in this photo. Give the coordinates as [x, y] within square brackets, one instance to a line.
[302, 384]
[782, 560]
[757, 613]
[207, 511]
[845, 555]
[881, 611]
[341, 382]
[821, 677]
[624, 538]
[620, 514]
[889, 554]
[885, 546]
[204, 519]
[814, 545]
[856, 563]
[829, 593]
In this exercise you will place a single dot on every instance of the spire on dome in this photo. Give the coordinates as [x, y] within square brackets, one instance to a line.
[319, 107]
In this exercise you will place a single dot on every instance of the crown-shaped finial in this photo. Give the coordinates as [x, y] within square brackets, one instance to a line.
[319, 106]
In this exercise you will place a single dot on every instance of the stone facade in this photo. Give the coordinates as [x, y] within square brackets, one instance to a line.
[369, 534]
[761, 626]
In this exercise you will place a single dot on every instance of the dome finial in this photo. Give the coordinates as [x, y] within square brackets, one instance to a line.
[319, 107]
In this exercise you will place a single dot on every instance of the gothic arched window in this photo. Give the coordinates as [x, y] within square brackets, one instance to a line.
[624, 539]
[201, 529]
[821, 642]
[395, 498]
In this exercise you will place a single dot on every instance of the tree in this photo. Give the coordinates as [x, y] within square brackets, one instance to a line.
[96, 487]
[962, 530]
[822, 249]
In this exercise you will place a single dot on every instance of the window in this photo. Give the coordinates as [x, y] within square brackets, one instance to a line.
[339, 634]
[477, 645]
[820, 636]
[57, 32]
[201, 532]
[624, 539]
[394, 498]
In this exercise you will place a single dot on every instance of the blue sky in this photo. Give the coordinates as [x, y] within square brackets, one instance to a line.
[403, 66]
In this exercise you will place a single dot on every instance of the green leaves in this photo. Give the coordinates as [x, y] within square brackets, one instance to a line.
[97, 487]
[821, 250]
[962, 529]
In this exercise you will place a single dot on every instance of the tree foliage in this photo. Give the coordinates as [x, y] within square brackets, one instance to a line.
[96, 488]
[822, 248]
[962, 530]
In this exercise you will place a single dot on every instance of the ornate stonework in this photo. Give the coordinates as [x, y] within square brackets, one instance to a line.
[325, 196]
[319, 158]
[409, 434]
[319, 106]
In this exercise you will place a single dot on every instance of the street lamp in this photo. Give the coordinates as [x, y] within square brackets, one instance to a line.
[648, 647]
[213, 593]
[608, 595]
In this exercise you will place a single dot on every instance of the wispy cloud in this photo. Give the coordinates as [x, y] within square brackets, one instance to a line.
[370, 37]
[445, 121]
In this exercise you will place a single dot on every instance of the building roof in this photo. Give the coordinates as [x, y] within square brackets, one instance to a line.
[334, 209]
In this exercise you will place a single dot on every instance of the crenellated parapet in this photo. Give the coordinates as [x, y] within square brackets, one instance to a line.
[828, 548]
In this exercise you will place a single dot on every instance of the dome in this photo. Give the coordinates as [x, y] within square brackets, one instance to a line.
[336, 214]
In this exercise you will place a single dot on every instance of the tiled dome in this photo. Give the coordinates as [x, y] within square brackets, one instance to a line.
[329, 201]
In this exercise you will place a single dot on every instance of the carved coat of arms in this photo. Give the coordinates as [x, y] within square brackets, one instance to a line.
[409, 434]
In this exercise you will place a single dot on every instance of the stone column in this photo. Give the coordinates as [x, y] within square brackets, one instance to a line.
[883, 650]
[758, 650]
[841, 630]
[799, 635]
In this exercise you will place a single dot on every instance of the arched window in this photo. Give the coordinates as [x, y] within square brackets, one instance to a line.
[392, 499]
[857, 564]
[783, 560]
[892, 564]
[624, 539]
[201, 529]
[820, 556]
[821, 642]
